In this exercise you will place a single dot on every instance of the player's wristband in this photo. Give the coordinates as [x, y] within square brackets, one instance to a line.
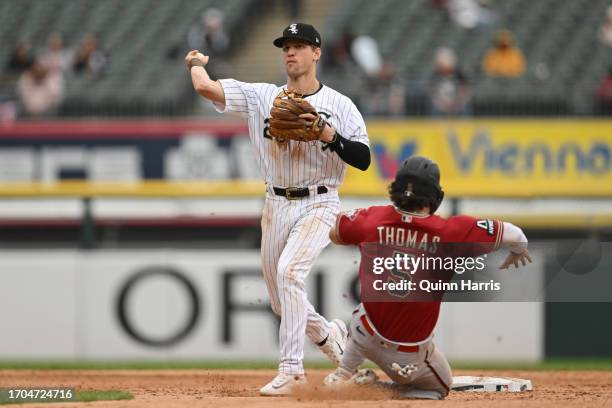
[195, 62]
[514, 238]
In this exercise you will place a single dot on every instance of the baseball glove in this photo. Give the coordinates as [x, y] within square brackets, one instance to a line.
[285, 122]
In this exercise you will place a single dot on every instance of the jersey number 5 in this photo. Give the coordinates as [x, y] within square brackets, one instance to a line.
[401, 276]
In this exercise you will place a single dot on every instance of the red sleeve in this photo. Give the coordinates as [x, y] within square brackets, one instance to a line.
[463, 228]
[349, 226]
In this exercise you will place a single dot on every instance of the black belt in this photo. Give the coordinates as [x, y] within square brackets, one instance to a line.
[293, 193]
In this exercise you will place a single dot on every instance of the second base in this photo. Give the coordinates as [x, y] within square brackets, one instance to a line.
[490, 384]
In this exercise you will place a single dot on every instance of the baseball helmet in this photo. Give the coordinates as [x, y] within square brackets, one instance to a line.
[421, 176]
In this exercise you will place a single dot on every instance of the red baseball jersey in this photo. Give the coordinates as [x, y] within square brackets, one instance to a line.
[410, 321]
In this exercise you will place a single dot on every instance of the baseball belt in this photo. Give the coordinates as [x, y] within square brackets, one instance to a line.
[293, 193]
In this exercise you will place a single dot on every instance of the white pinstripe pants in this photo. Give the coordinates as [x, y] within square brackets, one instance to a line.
[294, 232]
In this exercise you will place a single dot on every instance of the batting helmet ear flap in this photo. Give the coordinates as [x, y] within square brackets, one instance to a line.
[437, 201]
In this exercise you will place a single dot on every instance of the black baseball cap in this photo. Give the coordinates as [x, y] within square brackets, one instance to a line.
[299, 31]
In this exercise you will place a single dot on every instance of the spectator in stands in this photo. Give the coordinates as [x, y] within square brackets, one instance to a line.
[365, 51]
[21, 59]
[605, 32]
[40, 91]
[471, 13]
[55, 57]
[89, 58]
[209, 35]
[339, 53]
[385, 95]
[604, 95]
[396, 98]
[505, 59]
[8, 110]
[449, 91]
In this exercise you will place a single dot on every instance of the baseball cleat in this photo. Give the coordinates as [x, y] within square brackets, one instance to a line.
[336, 341]
[282, 384]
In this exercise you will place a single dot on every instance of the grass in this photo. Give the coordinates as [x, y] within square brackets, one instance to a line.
[96, 395]
[142, 365]
[81, 396]
[604, 363]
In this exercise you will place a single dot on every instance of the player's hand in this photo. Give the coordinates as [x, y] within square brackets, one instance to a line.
[308, 116]
[197, 55]
[513, 258]
[328, 133]
[405, 371]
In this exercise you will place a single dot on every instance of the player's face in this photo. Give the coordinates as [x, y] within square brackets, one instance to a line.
[299, 57]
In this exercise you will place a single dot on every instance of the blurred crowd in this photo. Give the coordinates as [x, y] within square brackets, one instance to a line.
[604, 90]
[34, 81]
[207, 34]
[448, 90]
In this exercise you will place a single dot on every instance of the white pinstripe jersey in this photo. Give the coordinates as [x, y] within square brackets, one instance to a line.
[291, 163]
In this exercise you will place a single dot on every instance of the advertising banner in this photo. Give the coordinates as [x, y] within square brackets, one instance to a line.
[207, 305]
[511, 158]
[478, 158]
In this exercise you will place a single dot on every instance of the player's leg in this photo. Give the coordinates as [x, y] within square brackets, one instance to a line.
[275, 227]
[306, 240]
[318, 328]
[436, 375]
[351, 359]
[425, 374]
[277, 220]
[353, 356]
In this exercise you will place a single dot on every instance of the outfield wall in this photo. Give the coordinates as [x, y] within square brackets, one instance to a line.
[176, 304]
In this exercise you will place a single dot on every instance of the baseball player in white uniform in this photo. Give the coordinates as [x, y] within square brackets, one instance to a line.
[301, 189]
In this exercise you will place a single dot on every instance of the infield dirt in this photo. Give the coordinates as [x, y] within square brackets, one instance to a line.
[239, 388]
